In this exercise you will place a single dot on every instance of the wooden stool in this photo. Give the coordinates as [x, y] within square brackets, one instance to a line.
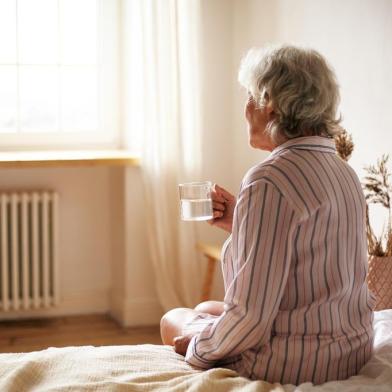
[212, 253]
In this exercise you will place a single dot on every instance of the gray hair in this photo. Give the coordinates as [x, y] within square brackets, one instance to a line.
[300, 86]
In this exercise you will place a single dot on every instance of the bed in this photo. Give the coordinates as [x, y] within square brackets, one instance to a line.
[158, 368]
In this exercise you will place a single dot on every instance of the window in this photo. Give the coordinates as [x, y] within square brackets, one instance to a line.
[58, 63]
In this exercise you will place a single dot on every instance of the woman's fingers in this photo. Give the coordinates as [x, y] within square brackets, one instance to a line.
[218, 206]
[223, 204]
[217, 197]
[223, 193]
[217, 214]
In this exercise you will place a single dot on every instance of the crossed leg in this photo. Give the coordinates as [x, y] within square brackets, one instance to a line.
[174, 320]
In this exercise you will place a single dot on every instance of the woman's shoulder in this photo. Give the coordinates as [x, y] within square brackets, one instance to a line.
[273, 171]
[262, 171]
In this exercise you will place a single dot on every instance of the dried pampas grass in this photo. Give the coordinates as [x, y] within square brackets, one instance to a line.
[344, 145]
[377, 189]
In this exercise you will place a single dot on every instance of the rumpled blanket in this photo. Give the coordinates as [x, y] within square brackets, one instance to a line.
[158, 368]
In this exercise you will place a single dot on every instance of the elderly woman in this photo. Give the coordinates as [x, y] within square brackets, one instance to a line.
[296, 305]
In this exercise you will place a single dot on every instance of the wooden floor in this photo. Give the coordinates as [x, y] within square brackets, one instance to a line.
[96, 330]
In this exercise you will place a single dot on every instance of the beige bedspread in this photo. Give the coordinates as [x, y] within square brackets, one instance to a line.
[159, 368]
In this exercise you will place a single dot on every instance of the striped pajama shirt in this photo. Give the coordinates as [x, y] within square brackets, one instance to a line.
[296, 305]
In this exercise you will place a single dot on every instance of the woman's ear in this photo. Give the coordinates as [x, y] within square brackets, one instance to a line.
[269, 106]
[270, 111]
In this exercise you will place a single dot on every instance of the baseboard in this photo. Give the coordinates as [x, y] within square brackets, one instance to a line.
[129, 313]
[83, 302]
[136, 312]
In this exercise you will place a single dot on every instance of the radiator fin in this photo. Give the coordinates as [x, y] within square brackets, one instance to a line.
[28, 250]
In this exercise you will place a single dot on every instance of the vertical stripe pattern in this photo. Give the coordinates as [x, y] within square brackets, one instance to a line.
[297, 307]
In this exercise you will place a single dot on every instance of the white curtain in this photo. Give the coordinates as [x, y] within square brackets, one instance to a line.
[165, 94]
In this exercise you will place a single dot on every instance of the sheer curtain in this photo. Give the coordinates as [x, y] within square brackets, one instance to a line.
[164, 99]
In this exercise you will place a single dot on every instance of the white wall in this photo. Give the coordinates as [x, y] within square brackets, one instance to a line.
[355, 36]
[133, 296]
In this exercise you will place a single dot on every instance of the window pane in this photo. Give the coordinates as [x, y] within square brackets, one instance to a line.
[38, 31]
[79, 99]
[38, 98]
[8, 31]
[79, 31]
[8, 98]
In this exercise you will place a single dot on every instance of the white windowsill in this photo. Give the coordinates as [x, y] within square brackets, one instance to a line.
[27, 159]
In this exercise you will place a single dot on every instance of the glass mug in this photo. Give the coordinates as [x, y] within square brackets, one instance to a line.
[196, 202]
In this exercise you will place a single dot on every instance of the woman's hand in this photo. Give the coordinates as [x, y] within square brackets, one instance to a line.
[181, 344]
[223, 204]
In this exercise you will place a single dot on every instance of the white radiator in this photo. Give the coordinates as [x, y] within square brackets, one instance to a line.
[28, 250]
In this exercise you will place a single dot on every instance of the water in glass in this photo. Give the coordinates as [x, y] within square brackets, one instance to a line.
[196, 209]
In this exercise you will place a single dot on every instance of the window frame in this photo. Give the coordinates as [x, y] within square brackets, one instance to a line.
[108, 135]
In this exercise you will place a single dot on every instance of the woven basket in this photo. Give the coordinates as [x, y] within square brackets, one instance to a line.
[379, 280]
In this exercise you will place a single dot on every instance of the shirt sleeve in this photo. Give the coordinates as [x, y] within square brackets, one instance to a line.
[262, 237]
